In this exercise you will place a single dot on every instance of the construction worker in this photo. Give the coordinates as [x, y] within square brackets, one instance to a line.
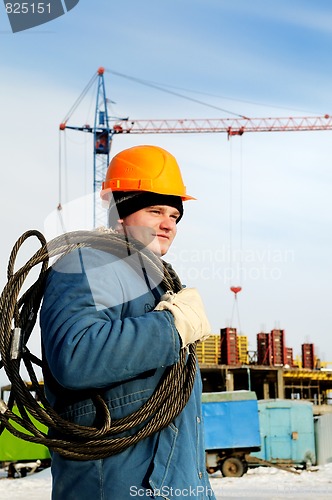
[110, 328]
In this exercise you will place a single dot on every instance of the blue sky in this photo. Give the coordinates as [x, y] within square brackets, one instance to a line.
[270, 191]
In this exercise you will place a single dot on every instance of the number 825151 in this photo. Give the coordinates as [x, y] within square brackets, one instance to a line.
[28, 8]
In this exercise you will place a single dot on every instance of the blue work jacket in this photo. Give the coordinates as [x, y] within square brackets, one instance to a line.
[100, 331]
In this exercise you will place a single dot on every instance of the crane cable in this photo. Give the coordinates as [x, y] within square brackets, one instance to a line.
[79, 99]
[236, 289]
[162, 87]
[17, 319]
[60, 174]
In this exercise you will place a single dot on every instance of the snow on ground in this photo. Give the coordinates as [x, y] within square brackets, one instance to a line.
[260, 483]
[32, 487]
[274, 484]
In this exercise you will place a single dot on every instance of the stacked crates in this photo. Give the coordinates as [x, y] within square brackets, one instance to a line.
[308, 356]
[271, 349]
[228, 346]
[242, 345]
[263, 349]
[278, 348]
[209, 350]
[289, 357]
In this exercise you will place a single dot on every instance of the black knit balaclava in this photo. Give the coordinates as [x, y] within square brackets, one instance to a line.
[124, 203]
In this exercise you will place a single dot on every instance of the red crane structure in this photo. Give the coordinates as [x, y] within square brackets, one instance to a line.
[230, 126]
[105, 128]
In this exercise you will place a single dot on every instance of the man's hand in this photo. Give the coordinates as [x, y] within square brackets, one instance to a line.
[189, 315]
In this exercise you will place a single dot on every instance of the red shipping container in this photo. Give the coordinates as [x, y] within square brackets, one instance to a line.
[278, 348]
[308, 356]
[263, 349]
[289, 357]
[229, 354]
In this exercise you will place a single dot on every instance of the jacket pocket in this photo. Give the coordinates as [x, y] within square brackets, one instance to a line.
[163, 461]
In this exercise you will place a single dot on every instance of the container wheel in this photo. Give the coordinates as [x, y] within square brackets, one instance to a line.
[211, 470]
[232, 467]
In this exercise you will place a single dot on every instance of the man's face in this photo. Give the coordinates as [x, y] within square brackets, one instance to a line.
[154, 226]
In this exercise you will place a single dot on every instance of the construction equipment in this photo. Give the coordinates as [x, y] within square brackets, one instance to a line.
[105, 128]
[231, 424]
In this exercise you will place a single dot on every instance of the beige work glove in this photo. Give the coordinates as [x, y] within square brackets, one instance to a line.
[189, 314]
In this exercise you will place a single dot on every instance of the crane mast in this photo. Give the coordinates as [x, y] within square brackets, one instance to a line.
[102, 146]
[105, 128]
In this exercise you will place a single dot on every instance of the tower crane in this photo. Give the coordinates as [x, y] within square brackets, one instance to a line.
[105, 128]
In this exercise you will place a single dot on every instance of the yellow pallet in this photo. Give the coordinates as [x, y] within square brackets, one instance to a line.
[209, 350]
[242, 344]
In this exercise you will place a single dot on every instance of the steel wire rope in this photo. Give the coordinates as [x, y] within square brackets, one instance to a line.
[76, 441]
[60, 180]
[231, 235]
[80, 98]
[163, 88]
[236, 308]
[210, 94]
[63, 157]
[63, 178]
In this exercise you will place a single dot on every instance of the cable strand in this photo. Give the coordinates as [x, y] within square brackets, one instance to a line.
[67, 438]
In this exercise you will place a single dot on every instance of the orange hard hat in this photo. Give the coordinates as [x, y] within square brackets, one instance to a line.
[144, 168]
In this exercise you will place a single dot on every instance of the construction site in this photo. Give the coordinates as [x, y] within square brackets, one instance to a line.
[106, 390]
[227, 365]
[271, 371]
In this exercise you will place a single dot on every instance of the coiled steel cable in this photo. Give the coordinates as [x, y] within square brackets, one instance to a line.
[17, 319]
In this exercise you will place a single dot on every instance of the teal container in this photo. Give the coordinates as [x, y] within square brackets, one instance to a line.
[287, 432]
